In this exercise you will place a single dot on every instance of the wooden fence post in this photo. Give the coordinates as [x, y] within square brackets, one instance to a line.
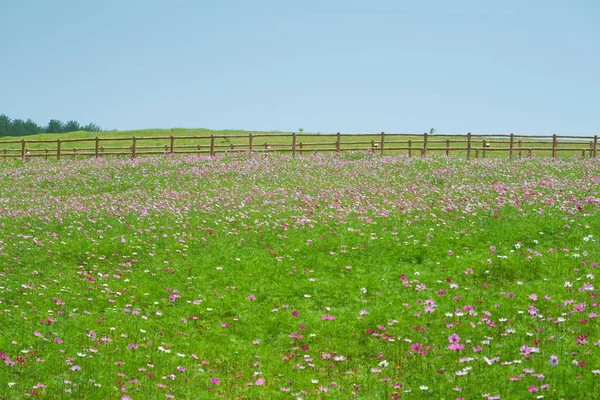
[294, 144]
[483, 149]
[469, 146]
[447, 147]
[424, 152]
[595, 145]
[520, 148]
[382, 141]
[476, 153]
[57, 149]
[133, 147]
[23, 150]
[212, 145]
[512, 143]
[97, 146]
[554, 146]
[250, 142]
[172, 149]
[337, 143]
[301, 151]
[4, 154]
[409, 148]
[46, 153]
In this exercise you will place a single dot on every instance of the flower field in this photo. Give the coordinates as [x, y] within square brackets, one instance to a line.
[323, 276]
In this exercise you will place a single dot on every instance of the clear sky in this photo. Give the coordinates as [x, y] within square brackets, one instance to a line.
[523, 66]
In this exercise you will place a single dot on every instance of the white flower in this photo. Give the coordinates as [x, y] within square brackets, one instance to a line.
[383, 363]
[11, 384]
[423, 387]
[518, 245]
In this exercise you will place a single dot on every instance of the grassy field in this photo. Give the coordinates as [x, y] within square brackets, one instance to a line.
[158, 140]
[325, 276]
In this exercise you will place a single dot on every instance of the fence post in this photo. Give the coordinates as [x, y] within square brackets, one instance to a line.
[133, 146]
[97, 146]
[172, 144]
[409, 148]
[301, 151]
[294, 144]
[469, 146]
[46, 154]
[337, 143]
[382, 141]
[424, 152]
[447, 147]
[476, 153]
[512, 142]
[212, 145]
[23, 150]
[57, 149]
[483, 149]
[595, 145]
[520, 148]
[250, 142]
[554, 146]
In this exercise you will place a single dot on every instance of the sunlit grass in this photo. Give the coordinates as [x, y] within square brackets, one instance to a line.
[325, 276]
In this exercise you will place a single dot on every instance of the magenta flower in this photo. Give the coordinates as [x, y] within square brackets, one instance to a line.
[215, 381]
[260, 382]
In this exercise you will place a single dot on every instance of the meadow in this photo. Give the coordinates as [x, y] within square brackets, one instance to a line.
[266, 276]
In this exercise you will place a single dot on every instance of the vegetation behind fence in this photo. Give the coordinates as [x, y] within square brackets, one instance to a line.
[469, 145]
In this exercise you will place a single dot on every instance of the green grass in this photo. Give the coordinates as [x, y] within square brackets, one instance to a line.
[266, 276]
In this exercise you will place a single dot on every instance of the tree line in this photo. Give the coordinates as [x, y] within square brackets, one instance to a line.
[19, 127]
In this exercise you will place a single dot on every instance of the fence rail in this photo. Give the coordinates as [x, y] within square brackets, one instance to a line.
[471, 145]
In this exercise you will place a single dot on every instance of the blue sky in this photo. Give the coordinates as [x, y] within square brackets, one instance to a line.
[323, 65]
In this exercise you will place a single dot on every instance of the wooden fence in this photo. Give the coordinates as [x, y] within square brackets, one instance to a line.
[471, 145]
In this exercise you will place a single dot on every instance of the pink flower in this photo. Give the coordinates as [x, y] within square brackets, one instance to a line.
[251, 298]
[215, 381]
[295, 314]
[456, 346]
[533, 389]
[260, 382]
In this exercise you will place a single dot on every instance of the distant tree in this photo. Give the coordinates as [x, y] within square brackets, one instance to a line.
[4, 126]
[19, 127]
[91, 128]
[71, 126]
[55, 126]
